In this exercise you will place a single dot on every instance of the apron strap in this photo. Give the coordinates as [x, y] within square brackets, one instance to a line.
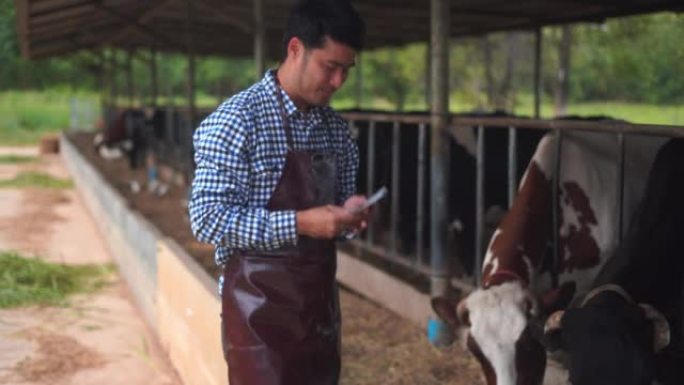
[286, 122]
[283, 115]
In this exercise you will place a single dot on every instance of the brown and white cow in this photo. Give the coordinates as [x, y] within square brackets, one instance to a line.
[629, 329]
[516, 284]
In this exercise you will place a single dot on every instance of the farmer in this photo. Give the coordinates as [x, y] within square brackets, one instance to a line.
[273, 190]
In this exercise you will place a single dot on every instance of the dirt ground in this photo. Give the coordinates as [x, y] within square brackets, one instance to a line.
[98, 338]
[378, 346]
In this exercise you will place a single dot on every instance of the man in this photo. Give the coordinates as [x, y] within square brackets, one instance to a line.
[276, 170]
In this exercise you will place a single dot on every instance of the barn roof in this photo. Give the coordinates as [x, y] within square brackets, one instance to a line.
[224, 27]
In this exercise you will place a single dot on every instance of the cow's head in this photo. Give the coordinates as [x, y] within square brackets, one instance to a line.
[609, 339]
[501, 336]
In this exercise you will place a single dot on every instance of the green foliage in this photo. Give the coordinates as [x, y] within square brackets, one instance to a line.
[632, 112]
[33, 179]
[29, 281]
[8, 35]
[637, 59]
[16, 159]
[397, 74]
[25, 116]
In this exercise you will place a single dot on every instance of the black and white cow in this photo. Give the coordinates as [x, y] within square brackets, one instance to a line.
[628, 329]
[124, 132]
[461, 178]
[516, 285]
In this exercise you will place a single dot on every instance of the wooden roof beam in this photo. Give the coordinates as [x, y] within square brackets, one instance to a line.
[143, 28]
[144, 18]
[57, 17]
[21, 8]
[236, 21]
[70, 25]
[50, 6]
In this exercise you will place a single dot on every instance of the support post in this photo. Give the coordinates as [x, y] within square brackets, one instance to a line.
[154, 85]
[129, 78]
[428, 76]
[439, 333]
[537, 72]
[113, 65]
[191, 63]
[259, 39]
[188, 163]
[106, 80]
[359, 81]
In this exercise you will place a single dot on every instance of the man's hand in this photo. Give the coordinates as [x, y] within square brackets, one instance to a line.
[353, 204]
[328, 222]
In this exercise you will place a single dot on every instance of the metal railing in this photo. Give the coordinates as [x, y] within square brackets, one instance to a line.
[385, 145]
[416, 260]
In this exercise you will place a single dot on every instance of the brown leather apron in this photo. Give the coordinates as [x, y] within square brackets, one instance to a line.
[281, 317]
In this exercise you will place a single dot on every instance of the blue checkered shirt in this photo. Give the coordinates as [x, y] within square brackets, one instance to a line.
[240, 152]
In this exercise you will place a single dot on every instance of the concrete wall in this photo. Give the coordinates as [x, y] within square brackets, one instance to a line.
[178, 298]
[188, 317]
[130, 238]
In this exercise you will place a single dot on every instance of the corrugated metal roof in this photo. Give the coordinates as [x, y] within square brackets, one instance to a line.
[224, 27]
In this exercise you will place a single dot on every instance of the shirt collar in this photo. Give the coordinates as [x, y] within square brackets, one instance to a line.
[271, 86]
[269, 81]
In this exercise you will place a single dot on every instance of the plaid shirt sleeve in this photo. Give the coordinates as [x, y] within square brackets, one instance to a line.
[220, 213]
[349, 154]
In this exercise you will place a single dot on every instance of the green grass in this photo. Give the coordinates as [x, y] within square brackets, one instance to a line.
[31, 281]
[632, 112]
[17, 159]
[35, 179]
[25, 116]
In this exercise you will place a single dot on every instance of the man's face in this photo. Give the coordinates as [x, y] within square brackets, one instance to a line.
[321, 71]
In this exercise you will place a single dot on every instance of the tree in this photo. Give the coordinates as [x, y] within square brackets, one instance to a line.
[398, 73]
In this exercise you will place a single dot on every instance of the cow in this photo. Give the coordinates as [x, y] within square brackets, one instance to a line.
[124, 132]
[628, 329]
[504, 316]
[461, 179]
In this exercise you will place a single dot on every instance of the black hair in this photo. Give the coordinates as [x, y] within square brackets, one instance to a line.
[312, 20]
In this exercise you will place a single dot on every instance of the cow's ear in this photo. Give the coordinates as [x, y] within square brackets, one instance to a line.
[661, 328]
[446, 310]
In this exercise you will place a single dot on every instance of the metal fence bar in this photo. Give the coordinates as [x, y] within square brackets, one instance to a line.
[479, 203]
[420, 194]
[538, 124]
[512, 164]
[387, 117]
[555, 191]
[558, 127]
[615, 127]
[370, 174]
[394, 208]
[621, 185]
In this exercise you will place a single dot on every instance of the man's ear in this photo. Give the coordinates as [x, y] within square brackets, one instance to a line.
[295, 47]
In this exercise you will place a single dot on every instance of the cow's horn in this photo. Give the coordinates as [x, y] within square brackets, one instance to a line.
[661, 328]
[553, 323]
